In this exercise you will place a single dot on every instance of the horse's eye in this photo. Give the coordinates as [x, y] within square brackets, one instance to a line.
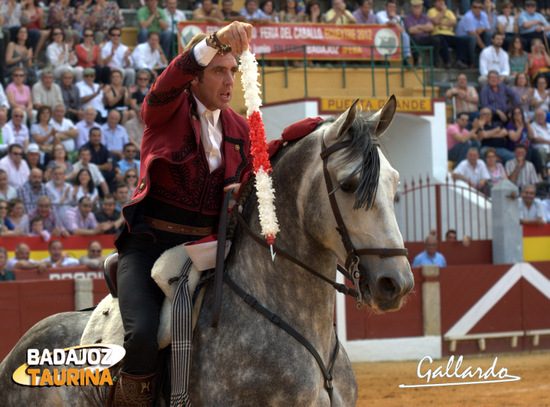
[347, 187]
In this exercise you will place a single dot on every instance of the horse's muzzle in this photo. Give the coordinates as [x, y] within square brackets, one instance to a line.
[387, 288]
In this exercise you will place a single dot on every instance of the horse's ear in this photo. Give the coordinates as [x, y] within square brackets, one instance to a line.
[341, 125]
[384, 117]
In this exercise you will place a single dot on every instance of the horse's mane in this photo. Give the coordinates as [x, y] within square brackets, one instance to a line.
[363, 149]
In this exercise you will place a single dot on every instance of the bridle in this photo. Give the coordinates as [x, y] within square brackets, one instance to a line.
[353, 259]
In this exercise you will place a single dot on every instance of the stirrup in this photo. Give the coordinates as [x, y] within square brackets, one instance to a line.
[132, 391]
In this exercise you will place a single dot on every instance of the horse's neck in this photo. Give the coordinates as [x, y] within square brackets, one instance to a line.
[282, 286]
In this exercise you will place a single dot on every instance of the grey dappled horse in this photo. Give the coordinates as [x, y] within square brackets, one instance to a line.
[248, 360]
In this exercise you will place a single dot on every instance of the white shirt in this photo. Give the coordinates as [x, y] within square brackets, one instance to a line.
[10, 265]
[144, 58]
[211, 132]
[97, 176]
[507, 22]
[67, 262]
[382, 18]
[118, 60]
[476, 174]
[65, 125]
[84, 132]
[19, 136]
[16, 176]
[541, 132]
[535, 211]
[490, 60]
[96, 102]
[3, 98]
[7, 137]
[174, 18]
[54, 50]
[56, 195]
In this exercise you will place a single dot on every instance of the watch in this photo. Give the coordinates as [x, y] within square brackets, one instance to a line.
[213, 42]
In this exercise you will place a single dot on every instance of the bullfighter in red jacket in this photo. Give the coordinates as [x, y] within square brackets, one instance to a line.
[193, 147]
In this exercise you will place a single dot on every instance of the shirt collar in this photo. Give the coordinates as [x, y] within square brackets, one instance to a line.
[202, 108]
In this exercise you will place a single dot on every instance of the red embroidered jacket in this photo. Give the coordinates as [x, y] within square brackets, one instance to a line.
[173, 163]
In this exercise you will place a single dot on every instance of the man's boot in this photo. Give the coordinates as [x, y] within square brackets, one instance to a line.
[132, 391]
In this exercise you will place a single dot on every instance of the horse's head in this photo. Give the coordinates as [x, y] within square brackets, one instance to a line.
[363, 186]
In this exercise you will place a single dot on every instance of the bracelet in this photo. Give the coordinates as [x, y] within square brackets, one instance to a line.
[213, 42]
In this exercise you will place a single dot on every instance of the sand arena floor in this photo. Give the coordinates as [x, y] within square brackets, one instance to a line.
[379, 383]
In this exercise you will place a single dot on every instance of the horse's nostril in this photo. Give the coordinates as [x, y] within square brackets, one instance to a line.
[386, 287]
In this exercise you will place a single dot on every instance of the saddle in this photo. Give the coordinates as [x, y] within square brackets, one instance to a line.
[105, 324]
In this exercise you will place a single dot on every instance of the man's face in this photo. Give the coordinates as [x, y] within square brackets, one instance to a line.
[366, 8]
[17, 117]
[530, 8]
[36, 178]
[113, 119]
[207, 6]
[171, 5]
[115, 36]
[476, 9]
[85, 207]
[58, 176]
[130, 152]
[58, 114]
[33, 158]
[23, 252]
[108, 206]
[215, 88]
[391, 8]
[540, 117]
[153, 41]
[95, 138]
[89, 78]
[85, 156]
[67, 79]
[151, 4]
[89, 116]
[439, 4]
[462, 121]
[121, 194]
[416, 10]
[47, 80]
[451, 237]
[227, 6]
[498, 40]
[56, 250]
[16, 154]
[493, 79]
[472, 157]
[485, 115]
[431, 246]
[528, 195]
[94, 251]
[251, 7]
[520, 153]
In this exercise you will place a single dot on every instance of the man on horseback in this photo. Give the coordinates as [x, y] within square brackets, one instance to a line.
[194, 146]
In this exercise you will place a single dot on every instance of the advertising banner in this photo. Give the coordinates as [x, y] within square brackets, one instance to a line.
[319, 41]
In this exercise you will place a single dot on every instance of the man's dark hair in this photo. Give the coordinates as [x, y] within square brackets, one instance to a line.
[12, 146]
[90, 132]
[55, 241]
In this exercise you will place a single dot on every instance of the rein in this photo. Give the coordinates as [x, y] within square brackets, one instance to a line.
[353, 260]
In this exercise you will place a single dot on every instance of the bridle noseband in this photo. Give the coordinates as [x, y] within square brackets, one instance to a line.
[353, 259]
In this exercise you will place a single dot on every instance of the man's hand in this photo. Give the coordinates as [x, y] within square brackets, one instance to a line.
[236, 34]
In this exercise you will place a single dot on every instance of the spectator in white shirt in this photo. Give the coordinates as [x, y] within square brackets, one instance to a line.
[84, 161]
[494, 58]
[17, 169]
[390, 17]
[114, 136]
[85, 125]
[57, 257]
[117, 55]
[6, 136]
[66, 131]
[91, 93]
[149, 55]
[173, 17]
[472, 170]
[541, 138]
[19, 130]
